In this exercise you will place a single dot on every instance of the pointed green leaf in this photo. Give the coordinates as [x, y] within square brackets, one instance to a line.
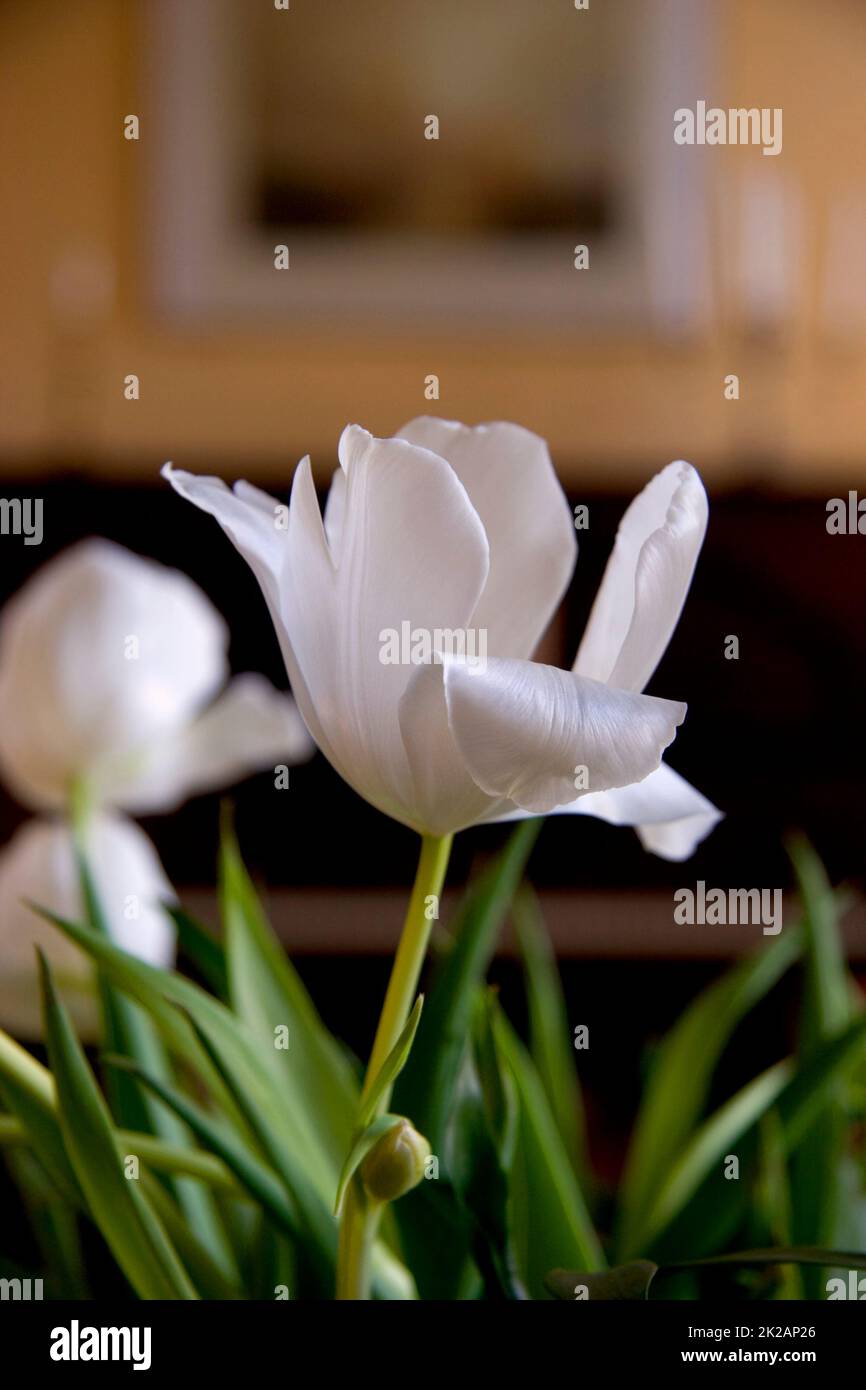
[254, 1176]
[817, 1165]
[318, 1085]
[126, 1219]
[679, 1084]
[799, 1094]
[392, 1065]
[549, 1033]
[552, 1226]
[201, 948]
[28, 1090]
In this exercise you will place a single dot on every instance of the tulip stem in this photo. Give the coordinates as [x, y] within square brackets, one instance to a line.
[360, 1216]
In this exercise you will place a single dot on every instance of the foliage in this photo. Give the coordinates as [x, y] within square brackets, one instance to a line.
[212, 1141]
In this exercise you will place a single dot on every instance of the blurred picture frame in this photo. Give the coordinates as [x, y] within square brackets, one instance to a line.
[213, 224]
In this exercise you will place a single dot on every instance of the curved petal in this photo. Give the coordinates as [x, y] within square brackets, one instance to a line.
[525, 729]
[335, 512]
[249, 518]
[445, 797]
[100, 652]
[38, 865]
[644, 587]
[670, 816]
[251, 726]
[253, 522]
[413, 552]
[511, 483]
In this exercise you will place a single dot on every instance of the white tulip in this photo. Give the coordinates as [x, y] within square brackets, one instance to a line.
[449, 528]
[109, 669]
[38, 865]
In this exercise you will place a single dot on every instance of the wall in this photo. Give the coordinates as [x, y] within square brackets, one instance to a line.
[76, 319]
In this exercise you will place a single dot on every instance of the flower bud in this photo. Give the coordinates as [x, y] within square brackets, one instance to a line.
[396, 1163]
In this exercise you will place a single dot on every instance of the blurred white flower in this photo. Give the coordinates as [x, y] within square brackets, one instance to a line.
[110, 672]
[111, 668]
[449, 528]
[38, 865]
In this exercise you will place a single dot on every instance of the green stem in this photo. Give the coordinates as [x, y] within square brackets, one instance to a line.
[79, 809]
[360, 1216]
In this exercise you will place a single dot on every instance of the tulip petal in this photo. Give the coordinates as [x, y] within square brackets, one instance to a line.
[247, 515]
[250, 727]
[511, 483]
[646, 580]
[413, 552]
[445, 797]
[335, 512]
[100, 651]
[525, 729]
[250, 519]
[670, 816]
[38, 865]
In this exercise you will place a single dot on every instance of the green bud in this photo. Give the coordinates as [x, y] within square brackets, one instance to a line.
[396, 1163]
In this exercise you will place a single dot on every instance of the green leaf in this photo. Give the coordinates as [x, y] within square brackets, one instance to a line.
[161, 1157]
[392, 1065]
[633, 1280]
[549, 1033]
[680, 1080]
[125, 1028]
[131, 1032]
[800, 1094]
[54, 1222]
[827, 1006]
[390, 1280]
[28, 1090]
[795, 1255]
[208, 1274]
[817, 1165]
[258, 1180]
[242, 1069]
[479, 1155]
[707, 1148]
[128, 1224]
[772, 1198]
[242, 1073]
[155, 990]
[317, 1082]
[806, 1095]
[374, 1131]
[201, 948]
[432, 1223]
[552, 1226]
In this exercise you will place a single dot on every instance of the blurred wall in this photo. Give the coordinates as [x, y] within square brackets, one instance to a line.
[76, 318]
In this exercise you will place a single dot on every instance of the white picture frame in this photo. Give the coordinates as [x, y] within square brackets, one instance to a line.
[206, 265]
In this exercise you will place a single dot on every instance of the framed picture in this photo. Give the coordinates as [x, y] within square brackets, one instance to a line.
[397, 160]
